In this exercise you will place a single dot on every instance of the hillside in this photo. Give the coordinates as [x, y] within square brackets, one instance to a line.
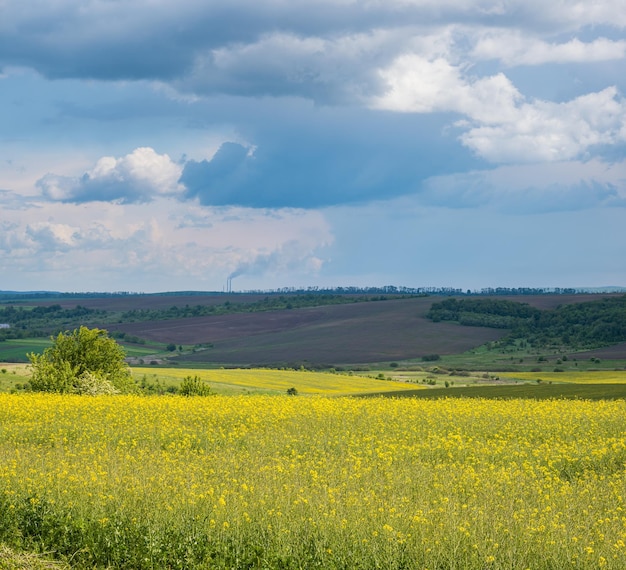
[355, 333]
[243, 329]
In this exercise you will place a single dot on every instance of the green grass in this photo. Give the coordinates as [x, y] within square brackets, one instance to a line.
[15, 350]
[516, 359]
[11, 375]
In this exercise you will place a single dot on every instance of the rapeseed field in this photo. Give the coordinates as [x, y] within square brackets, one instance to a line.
[268, 380]
[287, 482]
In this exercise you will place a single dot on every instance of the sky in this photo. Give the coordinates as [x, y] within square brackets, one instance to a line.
[153, 145]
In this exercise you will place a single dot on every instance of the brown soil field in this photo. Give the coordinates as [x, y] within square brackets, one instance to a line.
[615, 352]
[338, 334]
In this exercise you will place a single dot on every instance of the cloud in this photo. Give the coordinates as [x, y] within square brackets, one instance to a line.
[401, 55]
[546, 131]
[324, 161]
[502, 125]
[514, 48]
[531, 189]
[329, 70]
[289, 257]
[320, 49]
[137, 177]
[152, 246]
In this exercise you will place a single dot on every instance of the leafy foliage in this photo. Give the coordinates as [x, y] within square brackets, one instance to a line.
[580, 325]
[494, 313]
[34, 322]
[83, 361]
[194, 386]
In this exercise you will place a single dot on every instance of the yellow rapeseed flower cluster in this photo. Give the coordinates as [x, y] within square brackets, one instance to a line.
[282, 482]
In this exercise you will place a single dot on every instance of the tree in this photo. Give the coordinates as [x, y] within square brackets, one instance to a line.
[85, 361]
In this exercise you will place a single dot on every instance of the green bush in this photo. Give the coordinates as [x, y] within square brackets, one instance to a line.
[81, 362]
[430, 358]
[194, 386]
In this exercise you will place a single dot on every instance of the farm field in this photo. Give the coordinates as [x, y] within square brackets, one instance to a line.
[570, 377]
[16, 350]
[531, 391]
[271, 381]
[283, 482]
[336, 334]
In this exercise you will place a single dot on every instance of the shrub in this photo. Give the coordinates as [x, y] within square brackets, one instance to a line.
[194, 386]
[431, 358]
[79, 362]
[292, 391]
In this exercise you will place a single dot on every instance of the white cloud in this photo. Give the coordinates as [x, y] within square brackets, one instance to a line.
[417, 84]
[139, 176]
[515, 48]
[164, 244]
[546, 131]
[501, 125]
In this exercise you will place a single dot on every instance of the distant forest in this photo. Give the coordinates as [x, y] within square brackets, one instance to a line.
[580, 325]
[384, 290]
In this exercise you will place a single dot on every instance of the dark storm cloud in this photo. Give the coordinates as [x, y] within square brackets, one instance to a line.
[137, 39]
[328, 161]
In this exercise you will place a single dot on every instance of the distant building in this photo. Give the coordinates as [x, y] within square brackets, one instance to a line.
[4, 326]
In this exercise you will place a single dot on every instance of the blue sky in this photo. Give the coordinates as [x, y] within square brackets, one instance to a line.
[151, 145]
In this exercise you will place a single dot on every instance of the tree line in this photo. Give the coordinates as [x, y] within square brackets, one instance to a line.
[578, 325]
